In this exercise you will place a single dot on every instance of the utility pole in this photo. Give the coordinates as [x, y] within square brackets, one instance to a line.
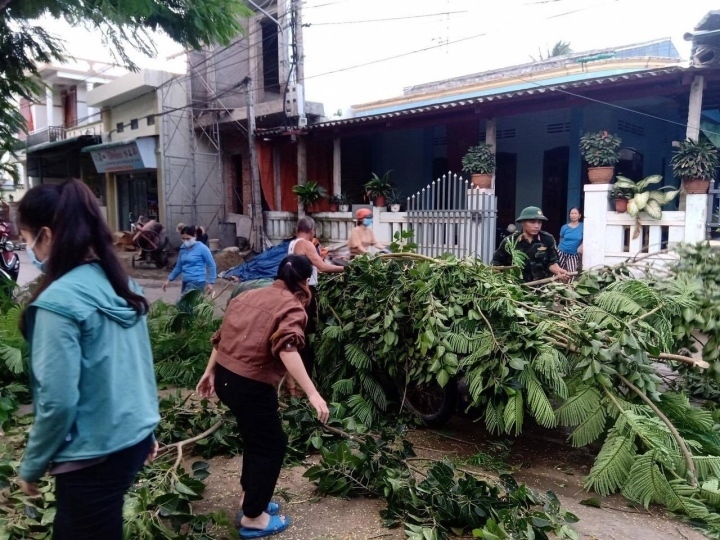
[258, 232]
[299, 81]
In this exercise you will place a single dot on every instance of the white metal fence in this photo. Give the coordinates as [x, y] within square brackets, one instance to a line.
[450, 215]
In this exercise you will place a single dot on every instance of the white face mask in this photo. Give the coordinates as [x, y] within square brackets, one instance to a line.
[189, 243]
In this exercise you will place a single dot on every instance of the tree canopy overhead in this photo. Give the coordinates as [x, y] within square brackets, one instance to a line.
[124, 24]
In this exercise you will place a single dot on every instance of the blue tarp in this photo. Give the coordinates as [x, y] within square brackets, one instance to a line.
[264, 266]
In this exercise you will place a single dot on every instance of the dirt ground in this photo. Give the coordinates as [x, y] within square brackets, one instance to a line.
[545, 461]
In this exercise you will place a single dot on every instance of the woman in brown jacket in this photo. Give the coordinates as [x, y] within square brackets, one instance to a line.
[256, 345]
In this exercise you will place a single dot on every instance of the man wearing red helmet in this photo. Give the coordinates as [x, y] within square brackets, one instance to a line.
[362, 236]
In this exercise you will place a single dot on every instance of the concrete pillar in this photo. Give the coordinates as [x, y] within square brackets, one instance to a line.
[696, 207]
[597, 206]
[337, 166]
[49, 107]
[491, 139]
[693, 132]
[91, 111]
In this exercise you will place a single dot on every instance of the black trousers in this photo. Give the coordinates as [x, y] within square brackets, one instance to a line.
[255, 406]
[90, 500]
[308, 353]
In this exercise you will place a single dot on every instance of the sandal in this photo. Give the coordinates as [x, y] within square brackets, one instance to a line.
[277, 525]
[273, 508]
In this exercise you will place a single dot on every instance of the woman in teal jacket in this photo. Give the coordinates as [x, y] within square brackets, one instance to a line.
[93, 385]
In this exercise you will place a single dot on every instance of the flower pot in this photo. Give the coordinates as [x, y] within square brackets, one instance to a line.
[333, 207]
[621, 205]
[696, 186]
[344, 208]
[380, 201]
[482, 181]
[394, 207]
[601, 175]
[312, 208]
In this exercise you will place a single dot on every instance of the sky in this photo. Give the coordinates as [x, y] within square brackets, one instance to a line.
[462, 37]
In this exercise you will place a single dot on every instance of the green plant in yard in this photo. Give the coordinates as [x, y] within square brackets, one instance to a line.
[620, 193]
[695, 160]
[641, 199]
[479, 159]
[600, 149]
[395, 197]
[309, 193]
[379, 186]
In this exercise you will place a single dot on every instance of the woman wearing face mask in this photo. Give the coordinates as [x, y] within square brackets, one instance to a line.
[94, 393]
[255, 347]
[195, 263]
[362, 237]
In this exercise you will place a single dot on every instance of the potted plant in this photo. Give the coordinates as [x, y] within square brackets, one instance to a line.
[479, 161]
[378, 188]
[695, 163]
[651, 202]
[309, 194]
[621, 196]
[395, 200]
[342, 201]
[601, 150]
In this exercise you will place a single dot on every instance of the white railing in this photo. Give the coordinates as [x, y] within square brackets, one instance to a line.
[279, 225]
[626, 237]
[333, 228]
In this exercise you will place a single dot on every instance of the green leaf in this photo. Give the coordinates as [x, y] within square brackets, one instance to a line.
[653, 209]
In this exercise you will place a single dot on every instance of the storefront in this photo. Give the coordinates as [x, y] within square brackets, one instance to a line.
[132, 173]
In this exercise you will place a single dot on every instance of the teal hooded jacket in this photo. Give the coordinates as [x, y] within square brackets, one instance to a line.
[92, 377]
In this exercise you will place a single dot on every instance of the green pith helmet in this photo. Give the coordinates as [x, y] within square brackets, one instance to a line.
[531, 212]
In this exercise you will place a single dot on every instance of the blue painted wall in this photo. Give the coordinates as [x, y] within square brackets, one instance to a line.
[410, 153]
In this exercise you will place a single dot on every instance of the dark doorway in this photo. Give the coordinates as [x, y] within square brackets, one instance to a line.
[630, 164]
[505, 182]
[270, 59]
[555, 185]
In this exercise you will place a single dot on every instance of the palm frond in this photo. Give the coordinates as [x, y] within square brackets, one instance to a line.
[613, 464]
[357, 357]
[580, 406]
[514, 413]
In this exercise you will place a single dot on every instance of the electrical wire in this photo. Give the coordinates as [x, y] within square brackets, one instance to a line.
[389, 19]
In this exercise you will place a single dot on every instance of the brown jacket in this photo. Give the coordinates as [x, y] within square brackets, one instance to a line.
[258, 325]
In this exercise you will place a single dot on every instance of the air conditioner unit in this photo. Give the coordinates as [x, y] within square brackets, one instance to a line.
[302, 122]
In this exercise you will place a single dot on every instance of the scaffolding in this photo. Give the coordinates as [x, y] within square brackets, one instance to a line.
[192, 180]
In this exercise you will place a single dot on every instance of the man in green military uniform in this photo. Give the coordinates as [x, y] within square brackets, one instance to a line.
[538, 246]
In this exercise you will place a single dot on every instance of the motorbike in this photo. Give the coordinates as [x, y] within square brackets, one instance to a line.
[9, 260]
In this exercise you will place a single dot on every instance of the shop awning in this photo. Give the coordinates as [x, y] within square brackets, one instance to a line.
[129, 155]
[63, 145]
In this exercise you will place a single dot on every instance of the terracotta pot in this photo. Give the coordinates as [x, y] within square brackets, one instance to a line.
[482, 181]
[312, 208]
[696, 186]
[333, 207]
[601, 175]
[381, 201]
[621, 205]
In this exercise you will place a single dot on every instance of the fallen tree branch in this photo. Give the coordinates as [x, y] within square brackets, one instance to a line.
[548, 280]
[684, 359]
[181, 444]
[681, 442]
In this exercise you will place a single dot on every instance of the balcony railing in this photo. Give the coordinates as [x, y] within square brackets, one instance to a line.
[45, 135]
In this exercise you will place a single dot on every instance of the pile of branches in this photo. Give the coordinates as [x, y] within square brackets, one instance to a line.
[585, 357]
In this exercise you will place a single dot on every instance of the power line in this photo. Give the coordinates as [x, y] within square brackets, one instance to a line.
[387, 19]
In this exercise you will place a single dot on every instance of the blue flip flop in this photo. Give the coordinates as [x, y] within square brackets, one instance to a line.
[273, 508]
[277, 525]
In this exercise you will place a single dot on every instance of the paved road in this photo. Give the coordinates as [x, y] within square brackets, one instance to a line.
[151, 287]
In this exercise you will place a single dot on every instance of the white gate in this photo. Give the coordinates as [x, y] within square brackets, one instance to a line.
[450, 215]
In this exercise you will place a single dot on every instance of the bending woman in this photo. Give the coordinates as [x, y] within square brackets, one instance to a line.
[255, 347]
[93, 385]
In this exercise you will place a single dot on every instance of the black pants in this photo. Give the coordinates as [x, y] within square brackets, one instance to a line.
[90, 500]
[308, 353]
[255, 405]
